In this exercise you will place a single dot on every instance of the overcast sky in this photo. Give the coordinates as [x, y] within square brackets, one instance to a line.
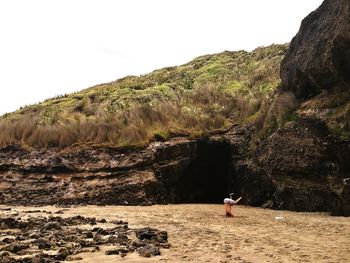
[52, 47]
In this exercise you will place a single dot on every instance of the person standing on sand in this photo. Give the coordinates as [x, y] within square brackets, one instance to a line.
[228, 203]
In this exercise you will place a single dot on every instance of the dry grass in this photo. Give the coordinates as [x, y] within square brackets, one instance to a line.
[192, 114]
[207, 94]
[274, 112]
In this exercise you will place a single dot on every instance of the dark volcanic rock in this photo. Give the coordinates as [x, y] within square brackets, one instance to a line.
[152, 234]
[89, 234]
[308, 169]
[72, 240]
[42, 243]
[52, 225]
[149, 250]
[62, 254]
[319, 55]
[257, 186]
[15, 248]
[8, 222]
[112, 252]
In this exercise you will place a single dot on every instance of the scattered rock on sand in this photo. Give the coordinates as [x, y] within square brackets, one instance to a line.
[112, 252]
[62, 254]
[37, 235]
[149, 250]
[15, 248]
[52, 225]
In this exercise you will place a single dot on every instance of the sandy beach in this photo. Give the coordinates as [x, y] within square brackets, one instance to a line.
[201, 233]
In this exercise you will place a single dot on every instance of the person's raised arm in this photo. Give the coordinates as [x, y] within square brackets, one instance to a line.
[237, 201]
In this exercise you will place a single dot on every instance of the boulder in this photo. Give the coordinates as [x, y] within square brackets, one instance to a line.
[15, 248]
[52, 226]
[42, 243]
[62, 254]
[152, 234]
[149, 250]
[112, 252]
[318, 58]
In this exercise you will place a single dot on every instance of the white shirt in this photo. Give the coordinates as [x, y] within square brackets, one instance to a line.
[229, 201]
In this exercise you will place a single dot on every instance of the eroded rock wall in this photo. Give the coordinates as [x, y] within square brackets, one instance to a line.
[308, 167]
[89, 176]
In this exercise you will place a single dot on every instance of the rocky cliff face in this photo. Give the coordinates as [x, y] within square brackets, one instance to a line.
[181, 170]
[307, 166]
[319, 55]
[89, 176]
[303, 165]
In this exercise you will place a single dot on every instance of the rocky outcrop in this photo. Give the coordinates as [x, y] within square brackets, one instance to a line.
[89, 176]
[180, 170]
[319, 55]
[307, 166]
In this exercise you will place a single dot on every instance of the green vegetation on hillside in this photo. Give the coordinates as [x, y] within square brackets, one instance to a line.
[207, 94]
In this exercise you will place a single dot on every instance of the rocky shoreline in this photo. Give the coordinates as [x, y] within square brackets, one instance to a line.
[52, 238]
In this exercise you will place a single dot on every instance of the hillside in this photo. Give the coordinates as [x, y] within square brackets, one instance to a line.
[210, 93]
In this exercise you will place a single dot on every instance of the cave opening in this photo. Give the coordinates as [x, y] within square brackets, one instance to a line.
[210, 176]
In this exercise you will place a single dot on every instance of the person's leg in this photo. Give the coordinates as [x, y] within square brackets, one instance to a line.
[229, 214]
[227, 208]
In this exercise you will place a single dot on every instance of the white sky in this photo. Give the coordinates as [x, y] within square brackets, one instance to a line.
[52, 47]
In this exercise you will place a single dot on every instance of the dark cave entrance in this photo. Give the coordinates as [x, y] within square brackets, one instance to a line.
[210, 176]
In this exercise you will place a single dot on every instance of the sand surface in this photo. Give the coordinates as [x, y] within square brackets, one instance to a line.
[201, 233]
